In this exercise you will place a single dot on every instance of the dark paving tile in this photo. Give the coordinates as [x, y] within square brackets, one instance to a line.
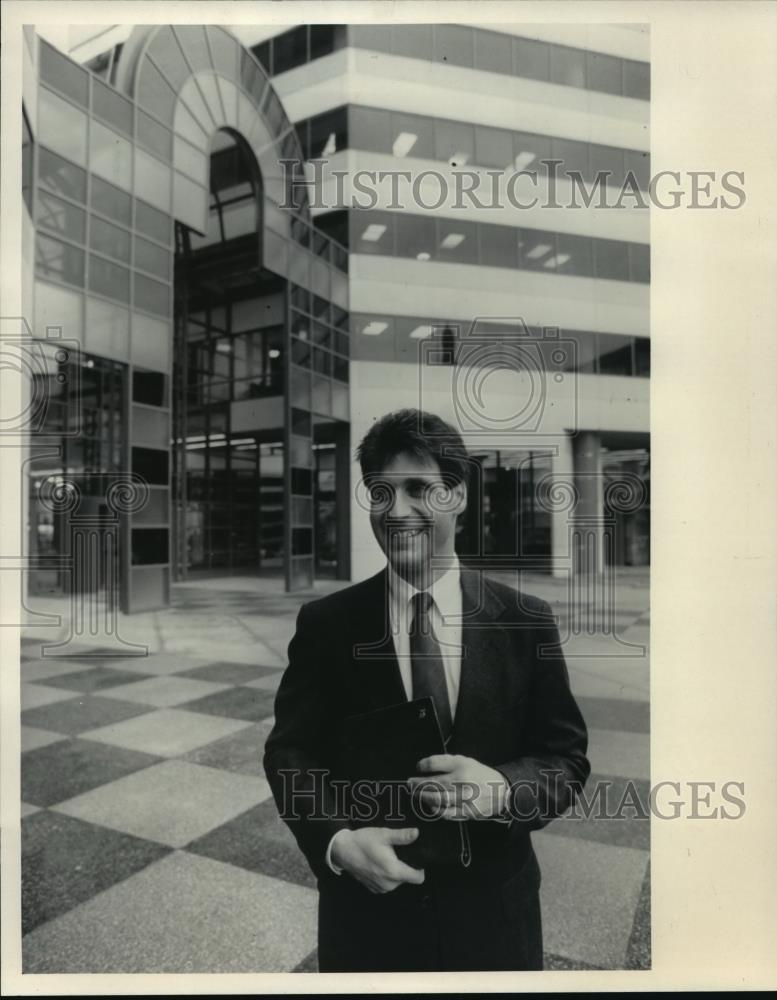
[249, 704]
[76, 715]
[561, 964]
[638, 952]
[241, 753]
[90, 654]
[308, 964]
[228, 673]
[65, 769]
[614, 713]
[610, 819]
[258, 841]
[66, 861]
[94, 679]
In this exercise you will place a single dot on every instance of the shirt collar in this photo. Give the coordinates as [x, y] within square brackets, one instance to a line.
[446, 591]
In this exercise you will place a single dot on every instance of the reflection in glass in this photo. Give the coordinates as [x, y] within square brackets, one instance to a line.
[61, 217]
[60, 261]
[59, 176]
[61, 126]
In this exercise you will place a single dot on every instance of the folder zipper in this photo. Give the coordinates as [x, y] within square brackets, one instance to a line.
[466, 852]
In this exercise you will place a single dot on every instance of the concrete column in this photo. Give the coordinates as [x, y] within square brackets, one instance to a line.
[562, 513]
[589, 513]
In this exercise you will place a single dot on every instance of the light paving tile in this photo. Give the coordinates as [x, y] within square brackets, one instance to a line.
[38, 695]
[32, 738]
[589, 895]
[269, 683]
[41, 670]
[590, 680]
[170, 803]
[167, 732]
[159, 663]
[28, 810]
[165, 691]
[181, 914]
[611, 751]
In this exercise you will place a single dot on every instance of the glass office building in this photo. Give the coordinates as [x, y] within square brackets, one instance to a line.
[212, 340]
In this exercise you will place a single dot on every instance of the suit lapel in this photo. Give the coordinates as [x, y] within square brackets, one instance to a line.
[374, 655]
[484, 649]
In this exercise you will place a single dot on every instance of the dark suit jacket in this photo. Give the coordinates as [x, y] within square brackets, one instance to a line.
[515, 712]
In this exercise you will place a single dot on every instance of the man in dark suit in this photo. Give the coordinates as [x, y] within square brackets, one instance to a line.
[515, 745]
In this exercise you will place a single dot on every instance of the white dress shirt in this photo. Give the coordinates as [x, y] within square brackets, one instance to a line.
[446, 613]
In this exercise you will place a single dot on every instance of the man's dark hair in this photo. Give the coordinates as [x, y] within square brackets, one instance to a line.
[422, 434]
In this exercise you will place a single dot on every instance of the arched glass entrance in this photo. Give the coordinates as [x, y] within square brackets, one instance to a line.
[229, 344]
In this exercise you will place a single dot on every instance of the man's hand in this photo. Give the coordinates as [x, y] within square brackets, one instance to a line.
[368, 854]
[458, 787]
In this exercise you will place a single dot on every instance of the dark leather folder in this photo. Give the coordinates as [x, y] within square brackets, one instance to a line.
[380, 751]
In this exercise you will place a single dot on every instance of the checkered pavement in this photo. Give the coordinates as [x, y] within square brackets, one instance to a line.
[151, 843]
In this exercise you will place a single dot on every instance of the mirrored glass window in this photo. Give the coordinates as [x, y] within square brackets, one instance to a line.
[610, 260]
[370, 36]
[154, 136]
[372, 232]
[62, 177]
[457, 241]
[414, 40]
[415, 236]
[498, 246]
[604, 73]
[639, 260]
[370, 129]
[110, 201]
[535, 249]
[636, 79]
[567, 66]
[110, 155]
[66, 76]
[326, 38]
[54, 259]
[152, 222]
[329, 133]
[615, 354]
[454, 143]
[155, 94]
[108, 279]
[494, 147]
[151, 295]
[573, 255]
[61, 217]
[531, 59]
[111, 106]
[152, 180]
[493, 52]
[62, 126]
[454, 44]
[109, 239]
[152, 258]
[290, 49]
[611, 160]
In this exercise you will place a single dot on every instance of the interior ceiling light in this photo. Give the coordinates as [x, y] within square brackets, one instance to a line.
[523, 159]
[403, 143]
[539, 251]
[373, 232]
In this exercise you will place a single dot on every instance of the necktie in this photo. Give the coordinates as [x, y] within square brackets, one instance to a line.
[427, 666]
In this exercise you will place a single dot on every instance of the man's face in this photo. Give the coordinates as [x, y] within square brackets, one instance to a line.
[413, 513]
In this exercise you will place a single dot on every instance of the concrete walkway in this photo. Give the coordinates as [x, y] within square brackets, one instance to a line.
[148, 821]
